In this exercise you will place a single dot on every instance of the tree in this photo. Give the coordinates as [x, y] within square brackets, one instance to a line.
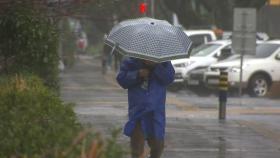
[250, 3]
[219, 12]
[98, 17]
[28, 43]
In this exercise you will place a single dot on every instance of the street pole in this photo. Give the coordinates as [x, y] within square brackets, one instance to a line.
[223, 90]
[241, 73]
[153, 8]
[145, 13]
[244, 17]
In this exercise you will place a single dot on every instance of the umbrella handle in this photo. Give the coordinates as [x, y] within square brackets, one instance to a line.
[115, 46]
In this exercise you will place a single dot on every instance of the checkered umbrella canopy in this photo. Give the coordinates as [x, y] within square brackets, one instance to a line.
[150, 39]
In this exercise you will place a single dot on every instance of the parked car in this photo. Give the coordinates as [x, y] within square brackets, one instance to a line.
[196, 76]
[201, 57]
[259, 71]
[261, 36]
[199, 37]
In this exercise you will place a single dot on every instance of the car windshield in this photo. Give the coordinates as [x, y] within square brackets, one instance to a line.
[204, 49]
[266, 49]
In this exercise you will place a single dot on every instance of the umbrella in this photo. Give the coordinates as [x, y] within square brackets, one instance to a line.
[150, 39]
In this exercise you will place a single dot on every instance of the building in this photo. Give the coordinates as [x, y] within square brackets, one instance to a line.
[274, 2]
[268, 19]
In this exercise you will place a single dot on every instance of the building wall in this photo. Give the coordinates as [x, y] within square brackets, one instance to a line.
[274, 2]
[268, 20]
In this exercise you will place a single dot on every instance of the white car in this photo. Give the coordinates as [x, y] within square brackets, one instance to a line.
[199, 37]
[196, 76]
[260, 36]
[201, 56]
[259, 71]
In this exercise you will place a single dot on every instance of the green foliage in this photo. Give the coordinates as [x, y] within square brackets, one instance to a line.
[250, 3]
[218, 12]
[29, 43]
[95, 146]
[33, 120]
[113, 149]
[104, 12]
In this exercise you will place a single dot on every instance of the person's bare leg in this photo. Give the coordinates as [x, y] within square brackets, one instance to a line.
[156, 147]
[137, 141]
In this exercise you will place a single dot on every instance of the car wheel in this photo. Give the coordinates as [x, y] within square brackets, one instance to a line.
[259, 86]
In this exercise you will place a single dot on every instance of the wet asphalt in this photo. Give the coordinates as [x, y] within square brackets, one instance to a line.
[251, 129]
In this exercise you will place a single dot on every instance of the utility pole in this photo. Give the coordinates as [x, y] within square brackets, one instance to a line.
[243, 25]
[153, 8]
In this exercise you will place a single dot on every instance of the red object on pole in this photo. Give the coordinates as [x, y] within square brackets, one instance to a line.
[143, 8]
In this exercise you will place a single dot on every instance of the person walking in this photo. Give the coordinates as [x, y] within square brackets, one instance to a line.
[105, 63]
[146, 83]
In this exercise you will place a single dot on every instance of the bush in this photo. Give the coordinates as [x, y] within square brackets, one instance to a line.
[91, 145]
[29, 42]
[113, 149]
[33, 120]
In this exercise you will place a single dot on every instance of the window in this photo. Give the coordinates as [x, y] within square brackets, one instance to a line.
[205, 49]
[200, 39]
[265, 50]
[277, 56]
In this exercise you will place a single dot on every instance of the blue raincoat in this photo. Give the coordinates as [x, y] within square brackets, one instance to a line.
[146, 105]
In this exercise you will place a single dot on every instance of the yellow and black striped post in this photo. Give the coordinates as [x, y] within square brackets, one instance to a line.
[223, 89]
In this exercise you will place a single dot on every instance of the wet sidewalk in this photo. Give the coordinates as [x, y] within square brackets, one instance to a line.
[190, 132]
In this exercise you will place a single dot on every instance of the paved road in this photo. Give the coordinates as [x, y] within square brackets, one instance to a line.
[193, 130]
